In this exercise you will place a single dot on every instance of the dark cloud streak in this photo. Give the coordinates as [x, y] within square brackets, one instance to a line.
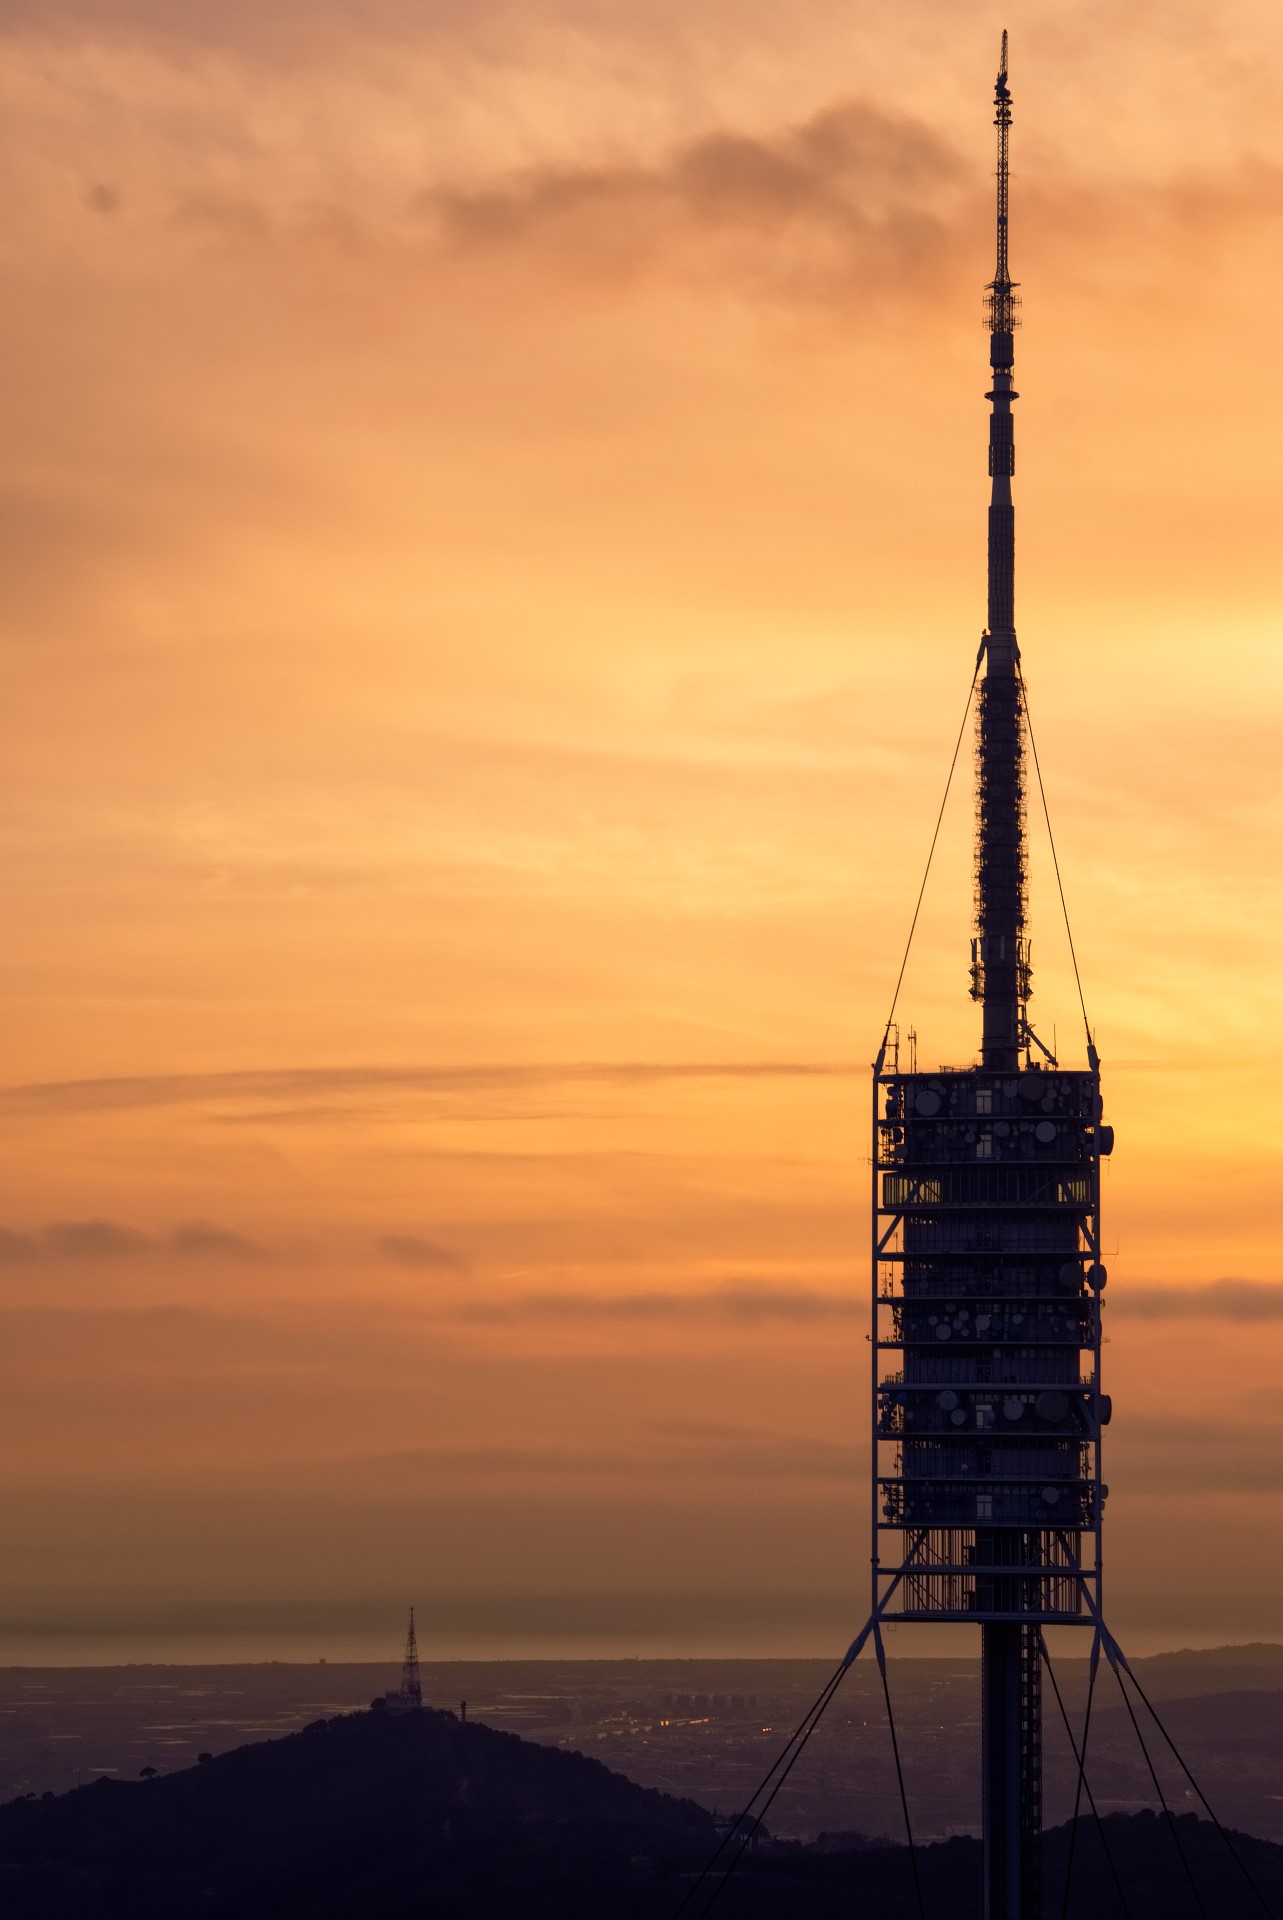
[292, 1083]
[1225, 1299]
[95, 1240]
[746, 1303]
[411, 1250]
[99, 1241]
[853, 197]
[201, 1239]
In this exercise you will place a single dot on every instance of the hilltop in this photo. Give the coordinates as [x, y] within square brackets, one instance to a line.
[355, 1815]
[368, 1816]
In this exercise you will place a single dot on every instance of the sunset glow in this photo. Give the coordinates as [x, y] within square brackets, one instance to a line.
[494, 557]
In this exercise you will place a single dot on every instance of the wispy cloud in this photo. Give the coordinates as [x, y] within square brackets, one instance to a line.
[98, 1241]
[412, 1250]
[91, 1240]
[746, 1302]
[201, 1239]
[290, 1084]
[1179, 1457]
[1225, 1299]
[811, 206]
[660, 1447]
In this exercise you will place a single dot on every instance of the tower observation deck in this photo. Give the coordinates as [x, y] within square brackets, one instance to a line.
[987, 1402]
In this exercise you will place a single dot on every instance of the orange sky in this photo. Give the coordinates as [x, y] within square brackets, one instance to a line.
[493, 558]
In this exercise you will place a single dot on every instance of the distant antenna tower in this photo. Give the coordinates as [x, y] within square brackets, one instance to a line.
[411, 1686]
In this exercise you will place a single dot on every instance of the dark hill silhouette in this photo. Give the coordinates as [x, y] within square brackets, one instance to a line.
[877, 1881]
[374, 1817]
[357, 1815]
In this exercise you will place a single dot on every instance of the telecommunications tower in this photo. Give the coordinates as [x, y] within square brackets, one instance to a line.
[408, 1697]
[986, 1402]
[411, 1685]
[987, 1408]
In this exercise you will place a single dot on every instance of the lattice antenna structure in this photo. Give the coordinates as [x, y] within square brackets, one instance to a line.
[1002, 301]
[411, 1685]
[986, 1260]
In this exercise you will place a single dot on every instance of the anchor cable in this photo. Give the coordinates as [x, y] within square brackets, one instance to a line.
[1207, 1805]
[1081, 1760]
[802, 1733]
[926, 875]
[1055, 858]
[899, 1774]
[816, 1716]
[1167, 1812]
[1082, 1764]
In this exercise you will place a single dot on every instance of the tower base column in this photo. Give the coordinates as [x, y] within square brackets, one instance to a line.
[1012, 1772]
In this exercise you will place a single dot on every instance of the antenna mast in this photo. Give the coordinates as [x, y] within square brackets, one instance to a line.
[1000, 953]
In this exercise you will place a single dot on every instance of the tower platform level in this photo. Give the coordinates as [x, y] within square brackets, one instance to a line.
[987, 1406]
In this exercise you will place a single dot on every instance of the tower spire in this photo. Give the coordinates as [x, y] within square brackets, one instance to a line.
[1002, 283]
[1000, 957]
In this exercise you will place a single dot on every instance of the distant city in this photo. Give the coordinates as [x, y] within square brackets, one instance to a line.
[703, 1729]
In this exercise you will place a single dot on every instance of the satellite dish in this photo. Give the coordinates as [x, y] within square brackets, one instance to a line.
[1051, 1495]
[1096, 1276]
[927, 1103]
[1051, 1405]
[957, 1417]
[1045, 1132]
[1012, 1408]
[948, 1400]
[1070, 1274]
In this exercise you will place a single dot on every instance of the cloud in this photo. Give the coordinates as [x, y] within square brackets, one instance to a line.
[92, 1240]
[849, 209]
[745, 1303]
[285, 35]
[730, 1453]
[109, 1240]
[411, 1250]
[1195, 1455]
[872, 182]
[290, 1083]
[202, 1240]
[1226, 1299]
